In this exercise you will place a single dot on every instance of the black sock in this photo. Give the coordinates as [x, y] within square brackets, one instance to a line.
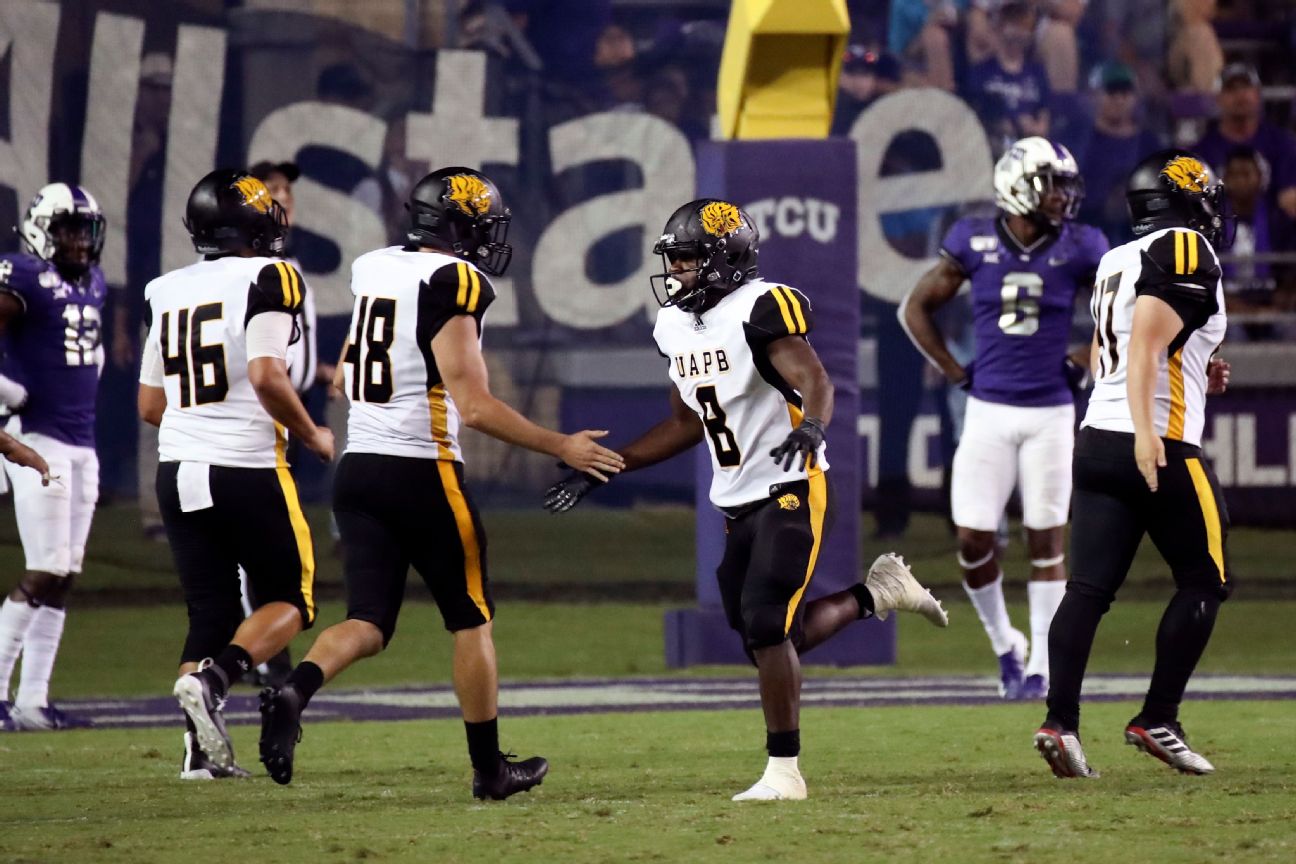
[233, 663]
[783, 744]
[864, 597]
[307, 678]
[483, 745]
[1181, 638]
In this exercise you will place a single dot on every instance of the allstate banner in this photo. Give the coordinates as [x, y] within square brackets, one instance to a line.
[801, 195]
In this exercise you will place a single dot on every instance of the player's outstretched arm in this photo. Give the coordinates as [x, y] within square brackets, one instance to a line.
[936, 287]
[20, 454]
[463, 369]
[677, 433]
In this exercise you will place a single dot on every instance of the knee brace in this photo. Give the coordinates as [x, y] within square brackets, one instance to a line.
[1041, 563]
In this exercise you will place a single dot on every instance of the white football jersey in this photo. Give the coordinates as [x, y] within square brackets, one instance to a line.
[1179, 266]
[399, 404]
[199, 317]
[721, 366]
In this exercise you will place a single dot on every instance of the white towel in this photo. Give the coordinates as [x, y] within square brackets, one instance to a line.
[194, 487]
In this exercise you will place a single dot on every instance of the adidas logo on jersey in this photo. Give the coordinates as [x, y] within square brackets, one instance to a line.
[701, 363]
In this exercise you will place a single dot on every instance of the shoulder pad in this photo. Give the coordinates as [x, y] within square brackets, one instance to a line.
[278, 288]
[782, 311]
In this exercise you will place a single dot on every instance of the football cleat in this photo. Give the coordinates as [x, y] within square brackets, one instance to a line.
[777, 784]
[196, 698]
[6, 717]
[196, 765]
[281, 731]
[893, 586]
[45, 719]
[1061, 750]
[1166, 741]
[1012, 667]
[510, 778]
[1033, 687]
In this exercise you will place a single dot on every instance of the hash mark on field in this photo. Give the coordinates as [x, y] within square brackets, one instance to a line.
[663, 694]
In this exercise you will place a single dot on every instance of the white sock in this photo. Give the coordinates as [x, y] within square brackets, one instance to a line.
[15, 618]
[39, 651]
[1045, 597]
[988, 600]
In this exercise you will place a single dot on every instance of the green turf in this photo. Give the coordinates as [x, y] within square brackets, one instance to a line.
[919, 784]
[125, 651]
[598, 546]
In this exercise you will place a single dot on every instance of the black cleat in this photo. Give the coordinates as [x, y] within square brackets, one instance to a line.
[196, 765]
[281, 712]
[511, 777]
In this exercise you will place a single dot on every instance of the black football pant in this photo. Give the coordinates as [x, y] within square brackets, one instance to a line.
[1111, 510]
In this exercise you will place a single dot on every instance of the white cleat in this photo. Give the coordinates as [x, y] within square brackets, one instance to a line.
[776, 785]
[204, 709]
[1166, 742]
[1062, 751]
[893, 586]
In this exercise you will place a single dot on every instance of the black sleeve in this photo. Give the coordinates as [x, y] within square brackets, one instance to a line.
[779, 312]
[278, 288]
[1180, 268]
[455, 289]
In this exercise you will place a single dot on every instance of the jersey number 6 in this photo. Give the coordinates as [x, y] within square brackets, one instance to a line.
[191, 359]
[1021, 293]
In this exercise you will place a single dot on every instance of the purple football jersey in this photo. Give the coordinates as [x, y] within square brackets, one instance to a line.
[1022, 302]
[52, 347]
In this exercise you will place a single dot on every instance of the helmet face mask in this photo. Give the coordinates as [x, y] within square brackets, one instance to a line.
[708, 248]
[64, 225]
[461, 210]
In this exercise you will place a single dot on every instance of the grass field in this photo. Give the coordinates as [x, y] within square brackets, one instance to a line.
[886, 784]
[919, 783]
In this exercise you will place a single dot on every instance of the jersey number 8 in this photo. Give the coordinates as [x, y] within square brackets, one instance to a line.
[1021, 293]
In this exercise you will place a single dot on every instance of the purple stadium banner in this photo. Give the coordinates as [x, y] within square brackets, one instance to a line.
[802, 196]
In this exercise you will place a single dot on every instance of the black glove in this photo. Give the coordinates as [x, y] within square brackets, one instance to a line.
[1077, 376]
[567, 492]
[805, 439]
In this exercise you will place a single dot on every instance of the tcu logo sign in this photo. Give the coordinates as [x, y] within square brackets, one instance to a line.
[792, 217]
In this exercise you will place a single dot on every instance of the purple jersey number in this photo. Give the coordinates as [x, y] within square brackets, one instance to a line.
[1022, 302]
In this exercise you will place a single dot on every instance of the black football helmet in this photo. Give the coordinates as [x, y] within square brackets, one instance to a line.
[230, 211]
[1176, 188]
[462, 209]
[722, 242]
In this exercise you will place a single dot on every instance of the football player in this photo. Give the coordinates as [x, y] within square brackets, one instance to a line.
[747, 381]
[215, 381]
[414, 373]
[1025, 265]
[1139, 467]
[51, 301]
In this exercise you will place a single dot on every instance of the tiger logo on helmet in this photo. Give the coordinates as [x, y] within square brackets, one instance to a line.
[1187, 173]
[470, 194]
[720, 218]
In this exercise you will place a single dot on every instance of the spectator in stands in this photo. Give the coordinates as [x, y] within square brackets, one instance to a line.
[615, 55]
[1195, 58]
[1248, 284]
[1109, 148]
[1010, 90]
[866, 77]
[565, 34]
[1134, 32]
[1241, 123]
[1055, 42]
[919, 31]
